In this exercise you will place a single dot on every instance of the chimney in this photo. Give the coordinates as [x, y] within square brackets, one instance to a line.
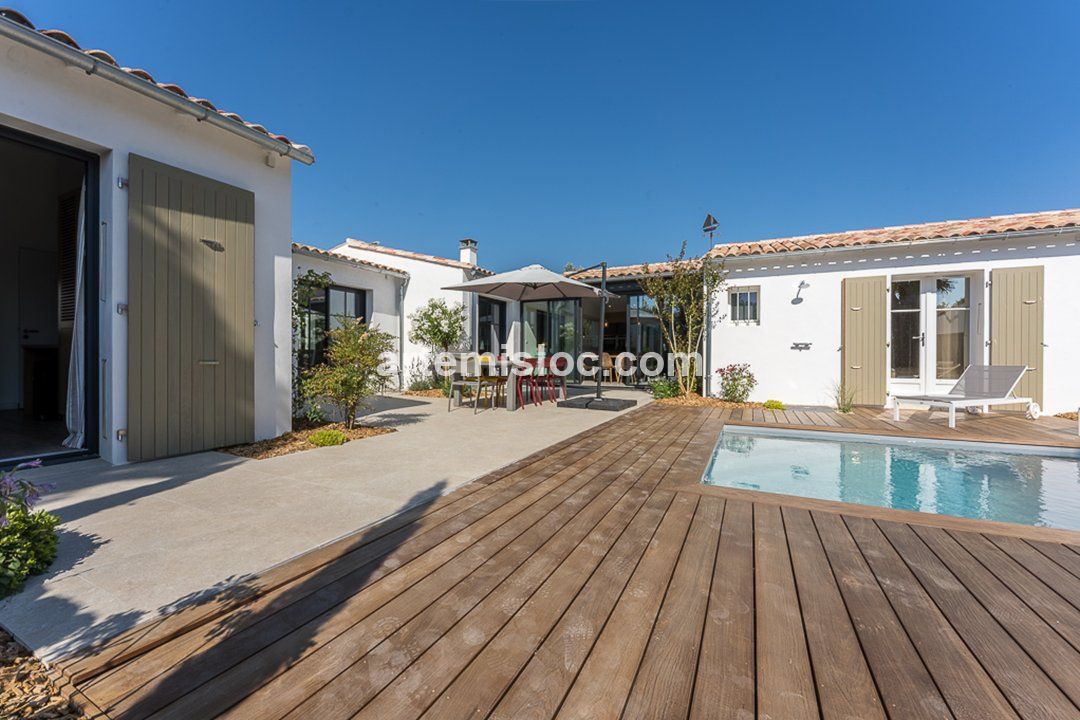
[468, 251]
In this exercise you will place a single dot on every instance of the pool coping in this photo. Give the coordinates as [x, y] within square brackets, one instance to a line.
[689, 477]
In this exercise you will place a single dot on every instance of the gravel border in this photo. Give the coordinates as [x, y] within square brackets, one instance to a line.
[26, 693]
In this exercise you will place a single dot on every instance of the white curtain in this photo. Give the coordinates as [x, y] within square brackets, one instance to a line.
[76, 387]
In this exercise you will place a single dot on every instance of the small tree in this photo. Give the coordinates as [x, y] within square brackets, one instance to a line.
[305, 288]
[682, 289]
[351, 373]
[438, 325]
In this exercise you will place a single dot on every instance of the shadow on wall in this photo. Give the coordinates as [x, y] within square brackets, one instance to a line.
[212, 666]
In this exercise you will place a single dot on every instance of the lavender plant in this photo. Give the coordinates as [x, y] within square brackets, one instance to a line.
[18, 493]
[27, 539]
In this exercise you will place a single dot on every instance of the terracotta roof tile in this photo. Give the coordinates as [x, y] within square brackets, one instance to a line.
[303, 249]
[101, 55]
[922, 232]
[376, 247]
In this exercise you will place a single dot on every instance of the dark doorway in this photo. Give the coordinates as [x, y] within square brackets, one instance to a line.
[490, 325]
[48, 343]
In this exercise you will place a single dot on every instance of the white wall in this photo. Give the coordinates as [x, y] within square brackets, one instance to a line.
[381, 289]
[426, 280]
[807, 377]
[44, 97]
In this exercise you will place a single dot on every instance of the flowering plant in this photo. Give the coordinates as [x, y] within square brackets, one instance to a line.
[18, 493]
[28, 539]
[736, 382]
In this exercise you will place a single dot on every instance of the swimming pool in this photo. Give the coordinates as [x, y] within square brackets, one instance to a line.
[972, 480]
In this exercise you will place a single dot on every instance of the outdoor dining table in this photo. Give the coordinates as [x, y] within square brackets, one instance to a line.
[500, 366]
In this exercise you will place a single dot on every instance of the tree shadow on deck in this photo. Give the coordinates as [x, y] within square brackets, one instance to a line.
[257, 632]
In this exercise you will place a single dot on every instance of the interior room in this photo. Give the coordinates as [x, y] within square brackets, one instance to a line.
[40, 218]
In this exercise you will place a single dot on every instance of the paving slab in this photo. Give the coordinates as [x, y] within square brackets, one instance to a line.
[143, 539]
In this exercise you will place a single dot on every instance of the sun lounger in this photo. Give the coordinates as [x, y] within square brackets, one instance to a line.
[979, 387]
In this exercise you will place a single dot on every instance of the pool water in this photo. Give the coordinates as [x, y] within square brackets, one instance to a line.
[960, 479]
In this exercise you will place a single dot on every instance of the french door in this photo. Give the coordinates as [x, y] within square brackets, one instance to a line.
[930, 332]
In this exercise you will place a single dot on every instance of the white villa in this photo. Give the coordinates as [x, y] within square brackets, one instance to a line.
[885, 310]
[146, 269]
[145, 263]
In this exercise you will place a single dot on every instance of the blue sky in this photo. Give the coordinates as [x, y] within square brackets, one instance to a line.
[554, 131]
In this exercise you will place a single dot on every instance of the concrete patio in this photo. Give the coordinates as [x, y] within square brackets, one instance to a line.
[143, 539]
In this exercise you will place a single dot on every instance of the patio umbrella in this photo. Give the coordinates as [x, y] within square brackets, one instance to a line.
[533, 282]
[536, 282]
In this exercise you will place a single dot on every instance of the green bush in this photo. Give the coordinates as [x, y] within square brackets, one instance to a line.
[27, 546]
[736, 382]
[442, 384]
[665, 388]
[326, 437]
[774, 405]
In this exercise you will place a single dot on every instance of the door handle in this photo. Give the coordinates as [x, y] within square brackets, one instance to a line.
[922, 339]
[209, 362]
[856, 367]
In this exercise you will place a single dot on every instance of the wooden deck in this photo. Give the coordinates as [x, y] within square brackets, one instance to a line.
[599, 579]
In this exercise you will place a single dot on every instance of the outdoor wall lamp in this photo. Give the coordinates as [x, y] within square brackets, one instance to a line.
[798, 292]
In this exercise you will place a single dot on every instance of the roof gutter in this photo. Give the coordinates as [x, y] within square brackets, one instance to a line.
[872, 246]
[357, 263]
[93, 66]
[899, 244]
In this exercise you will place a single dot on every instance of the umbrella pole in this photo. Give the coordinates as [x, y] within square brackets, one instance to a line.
[603, 308]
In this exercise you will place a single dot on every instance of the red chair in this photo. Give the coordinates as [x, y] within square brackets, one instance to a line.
[552, 380]
[529, 380]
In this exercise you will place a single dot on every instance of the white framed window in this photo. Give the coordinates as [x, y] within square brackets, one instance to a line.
[745, 305]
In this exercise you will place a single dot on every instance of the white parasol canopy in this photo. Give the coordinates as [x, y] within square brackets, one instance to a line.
[533, 282]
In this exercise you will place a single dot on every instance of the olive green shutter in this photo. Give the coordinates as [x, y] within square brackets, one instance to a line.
[863, 349]
[191, 252]
[1016, 325]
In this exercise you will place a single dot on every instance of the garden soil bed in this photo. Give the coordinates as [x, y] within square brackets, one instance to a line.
[430, 393]
[699, 401]
[26, 693]
[297, 440]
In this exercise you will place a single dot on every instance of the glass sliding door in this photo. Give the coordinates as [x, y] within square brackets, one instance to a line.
[907, 339]
[930, 332]
[550, 326]
[952, 326]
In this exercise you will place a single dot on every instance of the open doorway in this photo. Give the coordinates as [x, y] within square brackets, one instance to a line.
[44, 339]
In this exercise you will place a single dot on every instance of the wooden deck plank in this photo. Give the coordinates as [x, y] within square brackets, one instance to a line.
[905, 684]
[665, 681]
[726, 672]
[536, 467]
[1029, 690]
[308, 603]
[844, 684]
[969, 692]
[359, 670]
[526, 681]
[598, 578]
[1041, 566]
[1064, 556]
[1057, 659]
[785, 683]
[604, 682]
[480, 685]
[1051, 607]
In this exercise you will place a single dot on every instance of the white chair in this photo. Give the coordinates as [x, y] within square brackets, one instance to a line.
[980, 386]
